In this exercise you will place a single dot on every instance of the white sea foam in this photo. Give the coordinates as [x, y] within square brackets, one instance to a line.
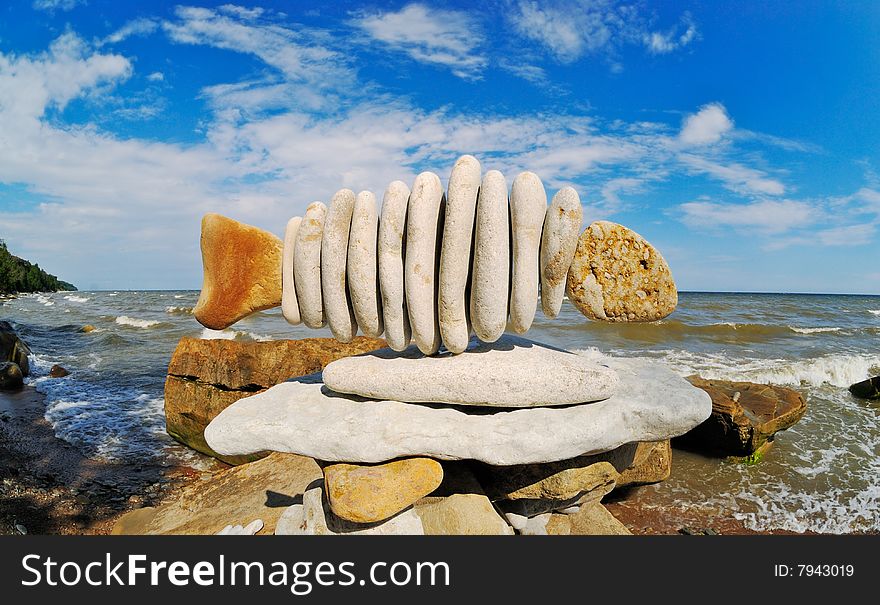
[838, 369]
[874, 311]
[228, 334]
[813, 330]
[209, 334]
[74, 298]
[179, 310]
[134, 322]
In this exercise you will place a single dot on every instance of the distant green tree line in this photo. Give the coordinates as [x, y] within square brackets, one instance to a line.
[19, 275]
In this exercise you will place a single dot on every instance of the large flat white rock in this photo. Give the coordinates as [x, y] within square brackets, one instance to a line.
[512, 372]
[651, 403]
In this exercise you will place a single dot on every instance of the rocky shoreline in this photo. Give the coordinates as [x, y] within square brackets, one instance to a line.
[50, 487]
[47, 486]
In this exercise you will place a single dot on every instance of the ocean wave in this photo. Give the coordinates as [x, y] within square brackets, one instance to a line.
[813, 330]
[874, 311]
[838, 369]
[43, 300]
[74, 298]
[228, 334]
[179, 310]
[134, 322]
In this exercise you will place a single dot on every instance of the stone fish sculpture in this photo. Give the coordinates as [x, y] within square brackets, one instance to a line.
[434, 267]
[443, 275]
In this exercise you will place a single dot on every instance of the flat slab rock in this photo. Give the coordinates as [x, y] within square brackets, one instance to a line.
[650, 404]
[512, 372]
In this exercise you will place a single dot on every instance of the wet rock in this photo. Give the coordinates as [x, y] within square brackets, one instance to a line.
[745, 416]
[206, 376]
[866, 389]
[58, 372]
[13, 349]
[11, 378]
[87, 328]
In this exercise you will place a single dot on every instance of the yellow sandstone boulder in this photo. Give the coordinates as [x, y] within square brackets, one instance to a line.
[367, 494]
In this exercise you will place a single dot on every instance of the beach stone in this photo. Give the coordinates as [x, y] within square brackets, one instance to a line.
[424, 226]
[592, 520]
[390, 250]
[363, 280]
[616, 275]
[528, 205]
[459, 507]
[641, 463]
[57, 371]
[11, 377]
[651, 403]
[314, 518]
[334, 258]
[455, 253]
[745, 416]
[242, 271]
[513, 372]
[13, 348]
[234, 496]
[289, 304]
[529, 526]
[582, 487]
[559, 481]
[207, 376]
[368, 494]
[307, 265]
[490, 282]
[866, 389]
[562, 227]
[87, 328]
[242, 530]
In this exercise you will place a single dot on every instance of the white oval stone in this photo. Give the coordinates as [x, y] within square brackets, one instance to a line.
[652, 403]
[490, 280]
[363, 282]
[511, 373]
[391, 252]
[307, 265]
[528, 205]
[289, 304]
[334, 254]
[455, 253]
[424, 225]
[559, 240]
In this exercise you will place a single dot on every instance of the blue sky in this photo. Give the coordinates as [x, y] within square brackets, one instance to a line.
[741, 140]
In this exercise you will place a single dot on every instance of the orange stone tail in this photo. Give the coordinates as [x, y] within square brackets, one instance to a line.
[242, 271]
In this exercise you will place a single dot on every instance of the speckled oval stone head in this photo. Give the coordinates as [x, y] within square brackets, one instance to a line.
[616, 275]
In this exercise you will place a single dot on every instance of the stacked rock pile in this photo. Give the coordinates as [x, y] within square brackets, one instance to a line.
[515, 406]
[433, 269]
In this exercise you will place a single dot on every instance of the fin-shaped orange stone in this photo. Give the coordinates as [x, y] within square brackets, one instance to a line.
[242, 271]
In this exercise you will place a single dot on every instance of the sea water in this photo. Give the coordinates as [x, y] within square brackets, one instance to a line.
[822, 475]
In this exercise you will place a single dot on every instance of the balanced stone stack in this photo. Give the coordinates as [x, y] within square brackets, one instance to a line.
[513, 404]
[448, 272]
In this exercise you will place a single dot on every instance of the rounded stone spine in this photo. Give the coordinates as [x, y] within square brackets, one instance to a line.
[430, 267]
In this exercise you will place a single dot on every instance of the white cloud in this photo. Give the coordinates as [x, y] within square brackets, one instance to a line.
[706, 126]
[661, 43]
[127, 209]
[156, 76]
[849, 235]
[571, 29]
[429, 35]
[53, 5]
[137, 27]
[735, 176]
[763, 216]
